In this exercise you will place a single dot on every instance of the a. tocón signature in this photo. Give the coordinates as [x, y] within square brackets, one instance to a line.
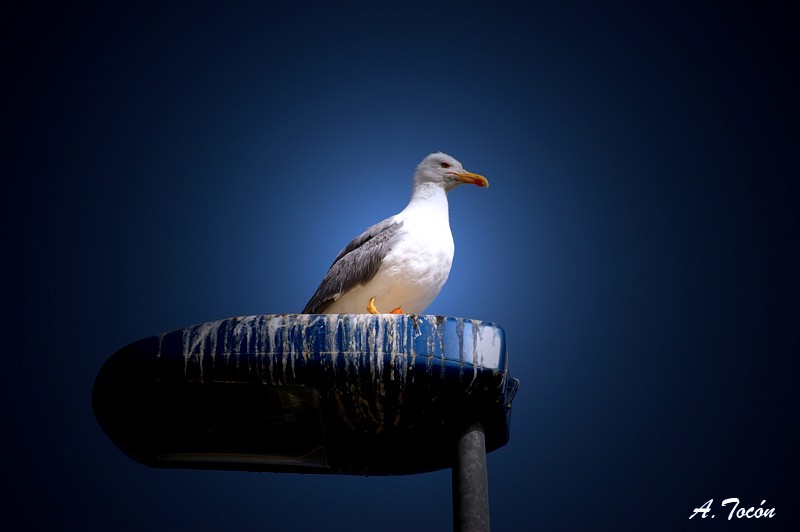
[739, 513]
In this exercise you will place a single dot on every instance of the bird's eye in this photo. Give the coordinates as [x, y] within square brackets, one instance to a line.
[444, 164]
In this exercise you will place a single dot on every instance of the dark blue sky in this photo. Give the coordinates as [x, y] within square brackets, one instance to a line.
[172, 165]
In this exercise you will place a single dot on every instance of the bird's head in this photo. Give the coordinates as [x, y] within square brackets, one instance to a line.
[446, 172]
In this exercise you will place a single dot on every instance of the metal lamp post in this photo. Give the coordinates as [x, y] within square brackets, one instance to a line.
[333, 394]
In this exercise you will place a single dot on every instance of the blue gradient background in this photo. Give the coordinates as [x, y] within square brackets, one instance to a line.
[639, 243]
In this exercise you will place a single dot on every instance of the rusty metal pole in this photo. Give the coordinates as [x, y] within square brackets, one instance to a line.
[470, 482]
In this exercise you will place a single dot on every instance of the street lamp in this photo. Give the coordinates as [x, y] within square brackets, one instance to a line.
[353, 394]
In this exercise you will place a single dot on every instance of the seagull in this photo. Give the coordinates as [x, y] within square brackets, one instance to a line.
[402, 262]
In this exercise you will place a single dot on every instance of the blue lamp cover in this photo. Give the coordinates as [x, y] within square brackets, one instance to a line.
[314, 393]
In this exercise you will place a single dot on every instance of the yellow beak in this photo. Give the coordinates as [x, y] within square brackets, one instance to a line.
[473, 179]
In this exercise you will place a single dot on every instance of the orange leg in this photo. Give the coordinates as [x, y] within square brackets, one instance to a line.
[372, 309]
[371, 306]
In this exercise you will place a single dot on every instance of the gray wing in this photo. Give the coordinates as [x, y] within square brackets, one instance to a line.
[356, 264]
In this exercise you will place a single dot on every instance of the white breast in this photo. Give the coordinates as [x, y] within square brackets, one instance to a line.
[415, 269]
